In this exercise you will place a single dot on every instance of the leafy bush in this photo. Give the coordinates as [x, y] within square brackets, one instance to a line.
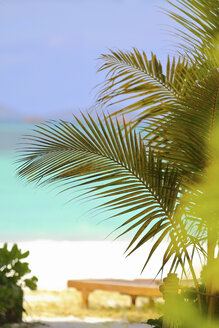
[156, 323]
[12, 282]
[187, 297]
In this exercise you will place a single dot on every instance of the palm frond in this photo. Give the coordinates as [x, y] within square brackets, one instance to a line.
[132, 77]
[110, 162]
[184, 136]
[198, 27]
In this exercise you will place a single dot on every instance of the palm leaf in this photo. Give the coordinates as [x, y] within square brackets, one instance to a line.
[198, 27]
[131, 76]
[107, 161]
[184, 136]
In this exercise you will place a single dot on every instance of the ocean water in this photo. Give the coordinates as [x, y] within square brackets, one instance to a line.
[29, 212]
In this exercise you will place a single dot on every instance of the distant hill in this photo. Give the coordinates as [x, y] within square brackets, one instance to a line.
[8, 114]
[32, 119]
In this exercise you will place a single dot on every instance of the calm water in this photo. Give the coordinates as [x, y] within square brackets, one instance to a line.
[28, 212]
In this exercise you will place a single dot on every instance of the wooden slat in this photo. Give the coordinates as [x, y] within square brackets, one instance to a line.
[129, 287]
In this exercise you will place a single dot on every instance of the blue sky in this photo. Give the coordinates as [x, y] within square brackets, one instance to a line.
[48, 49]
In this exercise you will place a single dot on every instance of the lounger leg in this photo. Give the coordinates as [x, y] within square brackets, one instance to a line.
[133, 298]
[85, 295]
[151, 302]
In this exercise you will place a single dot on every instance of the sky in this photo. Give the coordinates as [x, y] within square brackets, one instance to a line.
[49, 49]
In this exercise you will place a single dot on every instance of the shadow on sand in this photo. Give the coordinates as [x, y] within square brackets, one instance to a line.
[63, 324]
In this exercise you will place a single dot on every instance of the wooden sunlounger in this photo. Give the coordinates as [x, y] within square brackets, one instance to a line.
[140, 287]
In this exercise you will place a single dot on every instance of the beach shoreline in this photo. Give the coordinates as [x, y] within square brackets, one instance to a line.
[55, 262]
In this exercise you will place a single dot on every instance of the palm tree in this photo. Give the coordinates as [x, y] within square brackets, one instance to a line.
[143, 169]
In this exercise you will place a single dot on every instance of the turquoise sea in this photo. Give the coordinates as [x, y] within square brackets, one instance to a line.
[28, 212]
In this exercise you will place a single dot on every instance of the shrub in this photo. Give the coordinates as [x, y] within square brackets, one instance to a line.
[12, 282]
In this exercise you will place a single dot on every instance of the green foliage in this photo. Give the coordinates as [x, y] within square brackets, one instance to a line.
[156, 323]
[183, 313]
[176, 104]
[185, 297]
[12, 272]
[197, 28]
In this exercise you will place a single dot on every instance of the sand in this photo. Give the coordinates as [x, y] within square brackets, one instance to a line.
[55, 262]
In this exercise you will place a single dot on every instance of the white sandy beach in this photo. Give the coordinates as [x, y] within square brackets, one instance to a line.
[55, 262]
